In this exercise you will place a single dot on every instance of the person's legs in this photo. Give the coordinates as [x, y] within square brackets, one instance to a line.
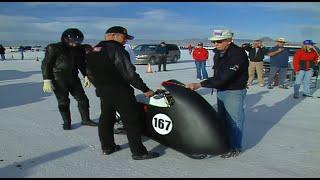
[106, 123]
[234, 105]
[297, 84]
[307, 81]
[160, 62]
[198, 69]
[78, 93]
[165, 63]
[204, 70]
[283, 76]
[3, 57]
[62, 95]
[259, 68]
[127, 107]
[252, 69]
[272, 74]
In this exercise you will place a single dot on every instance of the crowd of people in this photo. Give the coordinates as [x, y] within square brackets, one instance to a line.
[109, 66]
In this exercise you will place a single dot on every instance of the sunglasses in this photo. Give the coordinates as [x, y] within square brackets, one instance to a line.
[219, 41]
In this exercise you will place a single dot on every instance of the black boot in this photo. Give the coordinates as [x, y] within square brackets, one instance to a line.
[66, 117]
[85, 118]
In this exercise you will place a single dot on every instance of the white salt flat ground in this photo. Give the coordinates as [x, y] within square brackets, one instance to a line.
[281, 134]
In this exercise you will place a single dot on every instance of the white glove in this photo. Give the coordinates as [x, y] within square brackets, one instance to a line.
[47, 86]
[87, 83]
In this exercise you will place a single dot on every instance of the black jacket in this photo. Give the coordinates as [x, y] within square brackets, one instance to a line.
[257, 57]
[63, 62]
[2, 50]
[163, 50]
[230, 70]
[108, 65]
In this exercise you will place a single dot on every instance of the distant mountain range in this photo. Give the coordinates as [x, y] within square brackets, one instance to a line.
[267, 41]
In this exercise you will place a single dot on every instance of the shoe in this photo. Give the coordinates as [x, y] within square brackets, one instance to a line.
[89, 123]
[148, 155]
[283, 87]
[261, 85]
[198, 79]
[230, 154]
[66, 126]
[307, 95]
[111, 150]
[270, 87]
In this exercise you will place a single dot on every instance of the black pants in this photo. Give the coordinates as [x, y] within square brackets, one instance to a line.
[121, 99]
[62, 88]
[162, 60]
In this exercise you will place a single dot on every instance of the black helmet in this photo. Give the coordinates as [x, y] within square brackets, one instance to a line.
[72, 35]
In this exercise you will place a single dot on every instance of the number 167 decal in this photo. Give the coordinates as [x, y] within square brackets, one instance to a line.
[162, 124]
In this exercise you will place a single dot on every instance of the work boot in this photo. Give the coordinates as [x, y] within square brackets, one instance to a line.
[66, 117]
[84, 112]
[148, 155]
[111, 150]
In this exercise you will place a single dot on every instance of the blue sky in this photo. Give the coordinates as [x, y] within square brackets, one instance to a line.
[295, 21]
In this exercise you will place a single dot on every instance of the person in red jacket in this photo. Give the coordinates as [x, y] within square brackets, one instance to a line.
[200, 55]
[305, 60]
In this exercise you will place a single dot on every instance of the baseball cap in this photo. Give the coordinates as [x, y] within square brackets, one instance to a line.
[121, 30]
[219, 34]
[281, 40]
[308, 42]
[200, 44]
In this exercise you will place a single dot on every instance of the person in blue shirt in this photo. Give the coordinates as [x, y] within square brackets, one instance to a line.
[279, 58]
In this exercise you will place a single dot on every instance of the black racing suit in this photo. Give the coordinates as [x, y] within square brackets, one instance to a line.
[111, 72]
[60, 65]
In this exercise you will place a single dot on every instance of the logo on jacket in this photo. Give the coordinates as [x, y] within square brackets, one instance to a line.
[234, 68]
[96, 49]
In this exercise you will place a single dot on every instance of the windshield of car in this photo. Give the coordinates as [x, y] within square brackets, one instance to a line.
[145, 48]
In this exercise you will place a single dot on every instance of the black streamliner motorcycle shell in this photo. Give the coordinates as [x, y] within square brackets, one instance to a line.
[194, 127]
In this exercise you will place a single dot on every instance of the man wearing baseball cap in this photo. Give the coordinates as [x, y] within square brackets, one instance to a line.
[230, 79]
[111, 72]
[279, 58]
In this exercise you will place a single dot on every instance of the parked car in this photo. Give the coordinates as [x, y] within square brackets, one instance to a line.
[147, 53]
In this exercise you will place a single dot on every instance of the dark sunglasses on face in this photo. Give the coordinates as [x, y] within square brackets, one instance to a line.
[219, 41]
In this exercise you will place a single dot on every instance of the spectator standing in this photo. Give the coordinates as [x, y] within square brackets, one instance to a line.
[200, 55]
[163, 53]
[21, 50]
[305, 61]
[230, 79]
[190, 48]
[279, 58]
[256, 56]
[2, 52]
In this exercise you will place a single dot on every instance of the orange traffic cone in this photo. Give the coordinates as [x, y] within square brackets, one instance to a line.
[149, 68]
